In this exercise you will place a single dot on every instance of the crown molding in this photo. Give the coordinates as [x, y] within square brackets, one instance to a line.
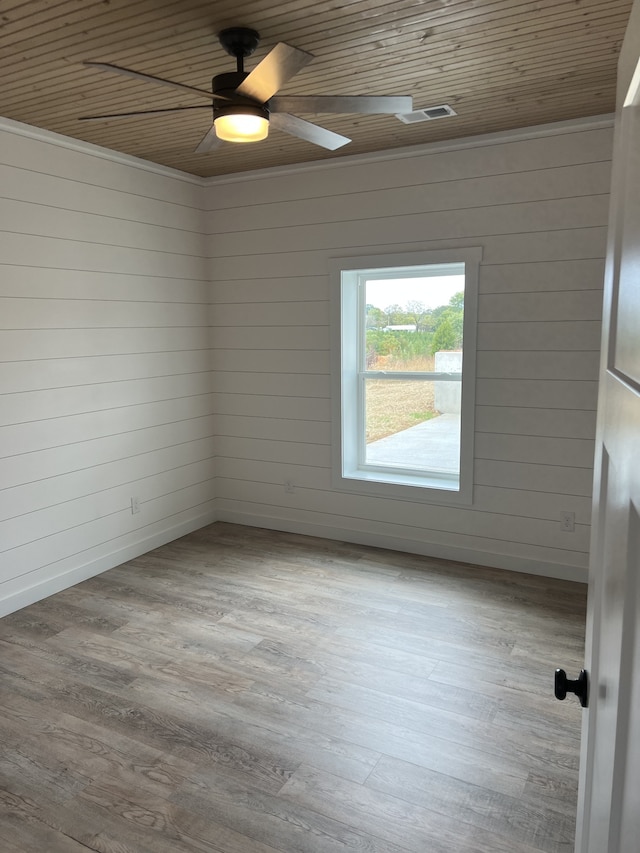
[519, 134]
[18, 128]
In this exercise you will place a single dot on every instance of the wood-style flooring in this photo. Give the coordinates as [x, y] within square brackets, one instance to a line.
[248, 691]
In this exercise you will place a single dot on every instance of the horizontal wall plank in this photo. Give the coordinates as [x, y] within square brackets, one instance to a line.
[540, 276]
[306, 313]
[275, 429]
[553, 479]
[535, 393]
[249, 291]
[581, 335]
[27, 345]
[308, 337]
[526, 217]
[130, 472]
[28, 467]
[531, 364]
[63, 194]
[75, 255]
[274, 384]
[486, 498]
[511, 158]
[299, 475]
[20, 313]
[33, 281]
[533, 504]
[57, 432]
[316, 455]
[31, 376]
[94, 170]
[263, 406]
[304, 362]
[25, 406]
[26, 218]
[560, 423]
[569, 243]
[571, 452]
[564, 244]
[417, 198]
[40, 524]
[546, 306]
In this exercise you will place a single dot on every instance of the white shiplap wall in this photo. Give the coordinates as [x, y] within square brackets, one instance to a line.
[108, 355]
[538, 207]
[105, 363]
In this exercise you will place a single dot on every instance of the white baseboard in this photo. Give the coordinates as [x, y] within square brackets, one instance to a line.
[460, 555]
[70, 577]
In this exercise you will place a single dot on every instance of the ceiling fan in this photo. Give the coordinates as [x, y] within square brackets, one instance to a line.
[243, 102]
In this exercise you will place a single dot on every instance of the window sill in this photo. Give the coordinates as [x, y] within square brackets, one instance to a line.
[409, 487]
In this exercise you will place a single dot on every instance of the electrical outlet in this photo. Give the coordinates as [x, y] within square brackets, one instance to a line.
[135, 505]
[568, 522]
[288, 486]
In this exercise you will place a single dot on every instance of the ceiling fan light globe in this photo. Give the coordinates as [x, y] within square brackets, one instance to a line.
[241, 127]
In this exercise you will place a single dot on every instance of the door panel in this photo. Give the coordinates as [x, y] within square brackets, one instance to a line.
[625, 331]
[609, 798]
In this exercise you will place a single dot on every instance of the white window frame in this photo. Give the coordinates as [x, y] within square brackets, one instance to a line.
[348, 472]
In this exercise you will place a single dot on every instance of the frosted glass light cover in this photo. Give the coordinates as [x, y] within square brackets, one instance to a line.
[241, 128]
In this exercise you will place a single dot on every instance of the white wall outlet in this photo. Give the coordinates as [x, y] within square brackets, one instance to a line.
[135, 505]
[568, 522]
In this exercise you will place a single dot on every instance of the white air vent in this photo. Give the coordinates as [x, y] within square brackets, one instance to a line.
[427, 114]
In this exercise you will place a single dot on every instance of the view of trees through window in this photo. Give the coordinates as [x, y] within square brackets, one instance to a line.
[405, 338]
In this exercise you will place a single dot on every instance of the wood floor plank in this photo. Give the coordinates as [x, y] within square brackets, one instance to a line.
[249, 691]
[48, 617]
[287, 744]
[513, 818]
[279, 821]
[390, 816]
[135, 662]
[19, 835]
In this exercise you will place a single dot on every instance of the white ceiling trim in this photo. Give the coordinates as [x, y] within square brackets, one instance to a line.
[18, 128]
[535, 131]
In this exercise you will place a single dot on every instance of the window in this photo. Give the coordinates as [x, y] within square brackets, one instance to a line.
[404, 358]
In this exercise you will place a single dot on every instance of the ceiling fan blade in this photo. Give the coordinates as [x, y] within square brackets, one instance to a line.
[138, 75]
[278, 66]
[362, 104]
[142, 113]
[209, 141]
[306, 130]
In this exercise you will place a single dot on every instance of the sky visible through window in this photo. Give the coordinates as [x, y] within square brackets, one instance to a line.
[433, 291]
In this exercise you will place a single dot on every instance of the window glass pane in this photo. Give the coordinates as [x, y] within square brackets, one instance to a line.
[413, 425]
[408, 320]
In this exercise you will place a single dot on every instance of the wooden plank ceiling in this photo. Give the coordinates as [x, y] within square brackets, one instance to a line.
[500, 64]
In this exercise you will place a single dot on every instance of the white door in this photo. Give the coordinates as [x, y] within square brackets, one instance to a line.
[609, 799]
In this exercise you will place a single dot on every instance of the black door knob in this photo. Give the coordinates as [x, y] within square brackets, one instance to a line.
[580, 686]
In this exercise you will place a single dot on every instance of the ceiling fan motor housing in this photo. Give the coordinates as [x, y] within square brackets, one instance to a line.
[226, 85]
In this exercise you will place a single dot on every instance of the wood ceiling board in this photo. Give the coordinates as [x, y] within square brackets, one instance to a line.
[500, 63]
